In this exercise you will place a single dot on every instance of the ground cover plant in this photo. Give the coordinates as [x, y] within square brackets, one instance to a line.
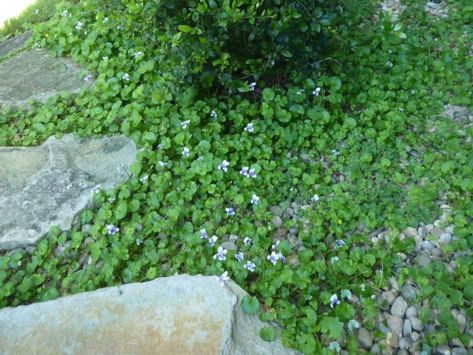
[332, 112]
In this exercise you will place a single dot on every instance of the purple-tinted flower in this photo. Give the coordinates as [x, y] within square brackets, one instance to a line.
[247, 241]
[334, 301]
[249, 128]
[223, 278]
[339, 243]
[252, 173]
[185, 124]
[203, 234]
[111, 229]
[96, 189]
[250, 266]
[88, 78]
[254, 199]
[212, 240]
[221, 254]
[230, 211]
[244, 171]
[281, 257]
[239, 256]
[273, 257]
[275, 245]
[224, 166]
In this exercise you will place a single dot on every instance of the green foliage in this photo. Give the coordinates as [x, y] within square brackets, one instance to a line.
[362, 129]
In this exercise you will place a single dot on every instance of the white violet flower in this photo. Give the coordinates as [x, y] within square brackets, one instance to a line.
[224, 166]
[230, 211]
[254, 199]
[250, 266]
[221, 254]
[203, 234]
[111, 229]
[249, 128]
[212, 240]
[126, 77]
[247, 241]
[315, 198]
[185, 124]
[213, 114]
[223, 278]
[79, 25]
[316, 91]
[185, 152]
[239, 256]
[334, 300]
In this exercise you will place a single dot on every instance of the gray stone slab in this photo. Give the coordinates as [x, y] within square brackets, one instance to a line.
[14, 43]
[174, 315]
[37, 75]
[48, 185]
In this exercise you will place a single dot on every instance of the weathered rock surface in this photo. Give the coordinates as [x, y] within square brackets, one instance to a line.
[37, 75]
[14, 43]
[48, 185]
[175, 315]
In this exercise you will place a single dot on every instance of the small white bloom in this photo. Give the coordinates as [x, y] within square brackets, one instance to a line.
[250, 266]
[247, 241]
[221, 254]
[65, 13]
[316, 91]
[105, 58]
[315, 198]
[185, 152]
[160, 146]
[252, 173]
[230, 211]
[105, 20]
[213, 114]
[96, 189]
[299, 92]
[224, 166]
[273, 257]
[139, 241]
[126, 77]
[339, 243]
[254, 199]
[144, 179]
[185, 124]
[334, 346]
[138, 54]
[252, 86]
[334, 259]
[275, 245]
[79, 25]
[335, 152]
[334, 300]
[111, 229]
[212, 240]
[223, 278]
[249, 128]
[239, 256]
[281, 257]
[162, 163]
[353, 324]
[203, 234]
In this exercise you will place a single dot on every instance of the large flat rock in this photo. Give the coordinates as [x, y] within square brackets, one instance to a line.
[179, 315]
[48, 185]
[37, 75]
[14, 43]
